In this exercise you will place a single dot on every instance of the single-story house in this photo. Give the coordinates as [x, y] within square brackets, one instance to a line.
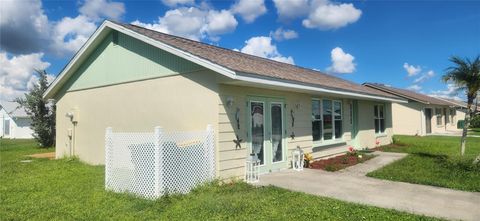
[461, 107]
[422, 115]
[14, 121]
[133, 79]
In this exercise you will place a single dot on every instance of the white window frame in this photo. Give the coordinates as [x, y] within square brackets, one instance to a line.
[379, 118]
[453, 113]
[334, 138]
[438, 116]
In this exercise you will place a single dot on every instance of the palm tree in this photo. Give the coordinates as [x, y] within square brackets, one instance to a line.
[465, 74]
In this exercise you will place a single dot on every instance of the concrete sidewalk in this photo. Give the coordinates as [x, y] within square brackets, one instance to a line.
[352, 185]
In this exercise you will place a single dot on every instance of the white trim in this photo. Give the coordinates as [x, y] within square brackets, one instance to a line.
[280, 83]
[202, 62]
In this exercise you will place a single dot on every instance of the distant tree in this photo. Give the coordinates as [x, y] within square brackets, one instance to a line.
[41, 111]
[465, 73]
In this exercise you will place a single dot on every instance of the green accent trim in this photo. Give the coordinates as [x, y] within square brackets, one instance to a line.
[127, 61]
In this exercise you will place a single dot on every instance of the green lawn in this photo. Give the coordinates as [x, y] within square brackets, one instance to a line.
[70, 190]
[434, 160]
[474, 131]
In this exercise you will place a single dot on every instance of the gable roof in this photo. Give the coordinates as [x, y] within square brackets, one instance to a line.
[13, 109]
[418, 97]
[237, 65]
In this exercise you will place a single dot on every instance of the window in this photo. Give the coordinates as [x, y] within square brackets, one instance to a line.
[447, 116]
[438, 113]
[6, 127]
[326, 120]
[379, 118]
[337, 117]
[453, 112]
[316, 121]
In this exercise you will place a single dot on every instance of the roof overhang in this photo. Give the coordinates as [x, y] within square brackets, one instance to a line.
[311, 88]
[107, 26]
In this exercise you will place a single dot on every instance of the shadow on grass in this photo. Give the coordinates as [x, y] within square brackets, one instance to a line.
[452, 163]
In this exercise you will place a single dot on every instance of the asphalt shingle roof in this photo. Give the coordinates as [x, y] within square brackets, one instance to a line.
[408, 94]
[249, 64]
[13, 109]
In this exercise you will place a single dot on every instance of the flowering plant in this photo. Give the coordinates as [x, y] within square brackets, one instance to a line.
[377, 142]
[352, 151]
[308, 157]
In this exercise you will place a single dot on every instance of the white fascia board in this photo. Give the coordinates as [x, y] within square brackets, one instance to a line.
[280, 83]
[190, 57]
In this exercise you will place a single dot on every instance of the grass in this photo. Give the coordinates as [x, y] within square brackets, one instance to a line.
[474, 131]
[70, 190]
[434, 160]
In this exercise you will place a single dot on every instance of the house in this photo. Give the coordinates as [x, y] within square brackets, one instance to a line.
[133, 79]
[14, 121]
[422, 115]
[461, 107]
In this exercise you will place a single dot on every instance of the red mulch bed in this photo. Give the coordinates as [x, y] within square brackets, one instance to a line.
[340, 162]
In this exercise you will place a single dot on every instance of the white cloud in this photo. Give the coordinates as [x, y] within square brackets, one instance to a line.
[450, 92]
[174, 3]
[24, 26]
[318, 14]
[414, 87]
[290, 9]
[424, 77]
[262, 46]
[98, 9]
[342, 62]
[26, 29]
[220, 22]
[194, 23]
[69, 34]
[283, 34]
[411, 69]
[249, 9]
[328, 15]
[17, 73]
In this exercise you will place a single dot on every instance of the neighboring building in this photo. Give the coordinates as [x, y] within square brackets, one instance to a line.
[14, 121]
[461, 107]
[422, 114]
[133, 79]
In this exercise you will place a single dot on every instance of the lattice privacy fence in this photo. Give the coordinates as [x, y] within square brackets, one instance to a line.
[153, 164]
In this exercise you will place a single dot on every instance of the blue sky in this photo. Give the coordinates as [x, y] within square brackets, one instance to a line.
[375, 41]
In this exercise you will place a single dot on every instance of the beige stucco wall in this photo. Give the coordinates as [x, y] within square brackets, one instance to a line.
[180, 102]
[366, 137]
[232, 160]
[408, 118]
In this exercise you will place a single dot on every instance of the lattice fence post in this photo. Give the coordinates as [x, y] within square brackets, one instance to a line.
[158, 161]
[210, 146]
[108, 151]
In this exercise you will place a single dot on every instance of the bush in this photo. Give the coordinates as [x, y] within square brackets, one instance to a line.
[475, 123]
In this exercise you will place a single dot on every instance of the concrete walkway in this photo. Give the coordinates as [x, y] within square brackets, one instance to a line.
[352, 185]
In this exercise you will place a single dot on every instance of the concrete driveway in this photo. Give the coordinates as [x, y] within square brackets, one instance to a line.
[352, 185]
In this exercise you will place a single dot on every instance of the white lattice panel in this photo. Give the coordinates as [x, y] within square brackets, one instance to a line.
[154, 164]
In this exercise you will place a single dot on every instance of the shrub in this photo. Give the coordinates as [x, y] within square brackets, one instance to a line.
[475, 123]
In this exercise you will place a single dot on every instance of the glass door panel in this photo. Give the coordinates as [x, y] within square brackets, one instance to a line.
[277, 132]
[257, 127]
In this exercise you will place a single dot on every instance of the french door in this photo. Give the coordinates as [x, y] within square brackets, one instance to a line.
[267, 132]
